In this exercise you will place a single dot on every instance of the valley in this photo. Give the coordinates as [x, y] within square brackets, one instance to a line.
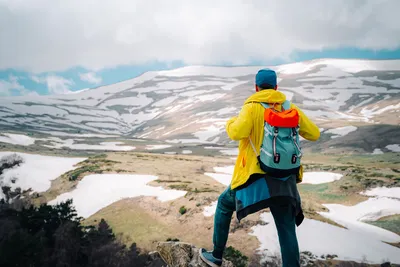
[150, 155]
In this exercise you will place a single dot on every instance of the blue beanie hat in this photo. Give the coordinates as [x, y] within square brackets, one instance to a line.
[266, 77]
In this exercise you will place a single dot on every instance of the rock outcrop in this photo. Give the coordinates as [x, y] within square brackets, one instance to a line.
[179, 254]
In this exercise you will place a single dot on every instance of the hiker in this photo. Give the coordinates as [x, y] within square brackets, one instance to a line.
[267, 168]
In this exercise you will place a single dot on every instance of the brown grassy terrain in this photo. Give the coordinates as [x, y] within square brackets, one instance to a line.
[145, 220]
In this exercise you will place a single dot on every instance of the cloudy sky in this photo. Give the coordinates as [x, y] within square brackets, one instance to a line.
[52, 47]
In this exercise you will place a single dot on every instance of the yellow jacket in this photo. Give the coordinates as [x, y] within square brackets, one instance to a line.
[250, 123]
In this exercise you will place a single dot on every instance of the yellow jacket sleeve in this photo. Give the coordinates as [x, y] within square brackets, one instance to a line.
[240, 127]
[308, 129]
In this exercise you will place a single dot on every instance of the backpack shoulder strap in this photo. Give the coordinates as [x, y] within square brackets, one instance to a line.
[286, 105]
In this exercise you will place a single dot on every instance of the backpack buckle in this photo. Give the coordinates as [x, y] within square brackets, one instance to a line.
[277, 157]
[276, 131]
[294, 132]
[294, 158]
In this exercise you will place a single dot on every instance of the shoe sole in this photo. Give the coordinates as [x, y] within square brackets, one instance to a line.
[208, 262]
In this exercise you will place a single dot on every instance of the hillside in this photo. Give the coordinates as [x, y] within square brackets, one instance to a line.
[354, 102]
[151, 156]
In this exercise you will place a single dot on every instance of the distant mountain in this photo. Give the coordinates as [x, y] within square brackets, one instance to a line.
[192, 104]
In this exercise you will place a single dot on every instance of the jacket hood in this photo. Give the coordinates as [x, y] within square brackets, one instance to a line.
[267, 96]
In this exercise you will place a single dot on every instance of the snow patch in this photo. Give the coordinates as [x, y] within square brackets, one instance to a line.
[157, 147]
[223, 72]
[393, 192]
[207, 133]
[230, 152]
[394, 148]
[349, 245]
[222, 175]
[224, 179]
[376, 111]
[97, 191]
[165, 102]
[37, 171]
[194, 93]
[226, 169]
[184, 141]
[70, 143]
[377, 151]
[80, 135]
[289, 95]
[17, 139]
[341, 131]
[352, 217]
[186, 152]
[320, 177]
[210, 210]
[209, 97]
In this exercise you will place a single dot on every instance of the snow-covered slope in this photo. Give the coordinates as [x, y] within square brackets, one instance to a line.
[192, 104]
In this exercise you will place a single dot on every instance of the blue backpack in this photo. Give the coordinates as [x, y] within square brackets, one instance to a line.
[280, 153]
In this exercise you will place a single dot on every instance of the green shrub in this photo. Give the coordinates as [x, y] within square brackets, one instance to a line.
[182, 210]
[236, 257]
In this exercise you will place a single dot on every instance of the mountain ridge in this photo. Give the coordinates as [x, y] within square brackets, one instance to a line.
[191, 104]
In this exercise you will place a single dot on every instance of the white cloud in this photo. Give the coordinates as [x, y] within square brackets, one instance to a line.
[90, 77]
[10, 85]
[99, 34]
[58, 85]
[6, 87]
[55, 84]
[36, 79]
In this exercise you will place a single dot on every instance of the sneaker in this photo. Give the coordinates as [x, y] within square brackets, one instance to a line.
[209, 259]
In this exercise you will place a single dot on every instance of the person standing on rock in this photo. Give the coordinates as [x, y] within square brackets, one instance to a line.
[267, 169]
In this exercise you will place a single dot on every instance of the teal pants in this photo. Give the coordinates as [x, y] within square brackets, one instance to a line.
[284, 217]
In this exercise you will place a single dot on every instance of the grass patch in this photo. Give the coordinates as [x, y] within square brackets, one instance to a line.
[368, 183]
[101, 161]
[318, 188]
[172, 181]
[133, 223]
[100, 156]
[78, 173]
[390, 223]
[183, 187]
[95, 164]
[203, 190]
[338, 192]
